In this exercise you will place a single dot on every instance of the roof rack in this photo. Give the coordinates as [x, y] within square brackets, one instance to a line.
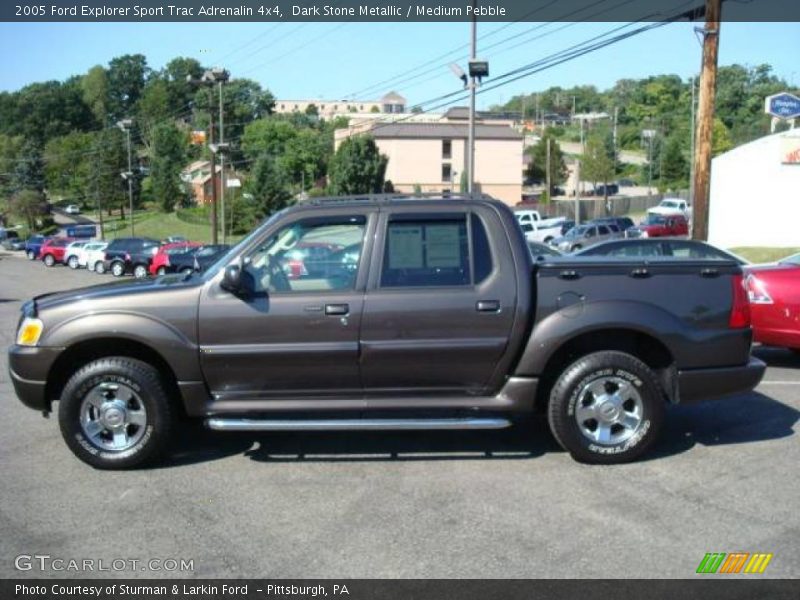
[393, 197]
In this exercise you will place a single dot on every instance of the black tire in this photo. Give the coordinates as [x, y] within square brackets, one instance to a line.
[140, 271]
[30, 254]
[72, 261]
[576, 247]
[187, 271]
[99, 267]
[49, 260]
[136, 375]
[161, 271]
[603, 369]
[117, 269]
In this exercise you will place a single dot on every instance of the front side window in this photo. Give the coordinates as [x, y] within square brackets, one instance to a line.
[428, 252]
[312, 255]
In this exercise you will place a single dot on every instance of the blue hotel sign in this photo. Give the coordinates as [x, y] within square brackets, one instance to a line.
[783, 106]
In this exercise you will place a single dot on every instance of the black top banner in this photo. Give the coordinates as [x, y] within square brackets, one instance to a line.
[270, 11]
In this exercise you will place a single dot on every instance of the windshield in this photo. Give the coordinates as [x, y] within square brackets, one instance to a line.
[226, 257]
[669, 204]
[655, 220]
[794, 259]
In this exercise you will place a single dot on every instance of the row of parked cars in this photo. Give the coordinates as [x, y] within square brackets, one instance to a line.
[137, 256]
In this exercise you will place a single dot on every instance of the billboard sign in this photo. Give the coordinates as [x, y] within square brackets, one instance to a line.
[782, 106]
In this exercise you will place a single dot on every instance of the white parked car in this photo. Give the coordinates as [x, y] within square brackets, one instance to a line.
[672, 206]
[73, 209]
[92, 253]
[72, 253]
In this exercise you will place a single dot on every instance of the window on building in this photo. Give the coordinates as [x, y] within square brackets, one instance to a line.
[447, 148]
[447, 173]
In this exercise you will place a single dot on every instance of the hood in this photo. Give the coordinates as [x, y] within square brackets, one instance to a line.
[125, 288]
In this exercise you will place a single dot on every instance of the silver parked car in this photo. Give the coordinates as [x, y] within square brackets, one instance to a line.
[587, 235]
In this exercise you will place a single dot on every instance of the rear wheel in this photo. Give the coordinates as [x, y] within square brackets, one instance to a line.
[606, 408]
[30, 254]
[117, 269]
[99, 267]
[72, 261]
[162, 271]
[114, 413]
[140, 271]
[49, 261]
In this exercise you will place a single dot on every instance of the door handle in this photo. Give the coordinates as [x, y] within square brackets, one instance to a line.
[488, 306]
[569, 274]
[709, 273]
[640, 273]
[337, 310]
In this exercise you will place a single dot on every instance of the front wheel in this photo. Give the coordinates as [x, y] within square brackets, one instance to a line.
[114, 413]
[161, 271]
[606, 408]
[187, 271]
[49, 261]
[140, 271]
[117, 269]
[99, 267]
[576, 247]
[30, 254]
[73, 262]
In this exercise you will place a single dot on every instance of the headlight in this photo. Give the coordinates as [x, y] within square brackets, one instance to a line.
[30, 330]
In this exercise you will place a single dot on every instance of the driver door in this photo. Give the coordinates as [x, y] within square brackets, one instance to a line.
[296, 334]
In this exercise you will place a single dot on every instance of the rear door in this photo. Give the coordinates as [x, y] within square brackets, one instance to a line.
[440, 302]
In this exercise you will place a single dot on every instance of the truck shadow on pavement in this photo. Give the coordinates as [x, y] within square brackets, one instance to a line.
[743, 419]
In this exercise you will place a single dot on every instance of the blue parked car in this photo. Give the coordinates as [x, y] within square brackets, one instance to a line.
[33, 245]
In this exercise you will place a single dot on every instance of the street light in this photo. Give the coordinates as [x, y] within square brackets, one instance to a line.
[125, 125]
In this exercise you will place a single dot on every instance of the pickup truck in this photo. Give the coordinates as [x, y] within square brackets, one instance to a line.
[421, 314]
[534, 232]
[534, 217]
[672, 206]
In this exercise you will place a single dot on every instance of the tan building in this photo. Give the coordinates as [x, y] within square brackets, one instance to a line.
[433, 156]
[391, 103]
[198, 181]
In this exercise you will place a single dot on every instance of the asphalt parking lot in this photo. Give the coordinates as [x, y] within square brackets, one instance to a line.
[427, 505]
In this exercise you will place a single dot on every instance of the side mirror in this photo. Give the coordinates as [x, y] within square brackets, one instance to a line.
[232, 279]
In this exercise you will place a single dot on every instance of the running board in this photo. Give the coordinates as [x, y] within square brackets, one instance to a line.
[220, 424]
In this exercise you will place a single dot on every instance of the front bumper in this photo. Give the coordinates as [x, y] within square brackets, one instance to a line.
[29, 368]
[696, 385]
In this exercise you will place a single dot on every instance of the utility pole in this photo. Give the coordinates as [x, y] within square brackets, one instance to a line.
[222, 156]
[472, 85]
[125, 125]
[616, 117]
[692, 127]
[578, 192]
[547, 171]
[705, 120]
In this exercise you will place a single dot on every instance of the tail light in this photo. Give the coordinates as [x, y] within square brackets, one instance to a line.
[740, 309]
[756, 290]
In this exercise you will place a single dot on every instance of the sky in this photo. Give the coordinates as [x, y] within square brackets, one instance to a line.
[366, 60]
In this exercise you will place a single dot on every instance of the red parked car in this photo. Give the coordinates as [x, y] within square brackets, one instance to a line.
[774, 292]
[52, 251]
[161, 258]
[660, 226]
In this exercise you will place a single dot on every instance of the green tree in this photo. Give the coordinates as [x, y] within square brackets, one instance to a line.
[537, 169]
[29, 204]
[127, 76]
[267, 191]
[29, 170]
[596, 165]
[167, 159]
[720, 138]
[675, 167]
[357, 167]
[267, 137]
[107, 160]
[10, 154]
[94, 91]
[66, 169]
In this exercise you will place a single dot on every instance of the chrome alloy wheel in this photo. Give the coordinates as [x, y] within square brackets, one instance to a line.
[609, 411]
[113, 417]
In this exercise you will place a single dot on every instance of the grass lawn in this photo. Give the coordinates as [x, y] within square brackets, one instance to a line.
[764, 255]
[158, 225]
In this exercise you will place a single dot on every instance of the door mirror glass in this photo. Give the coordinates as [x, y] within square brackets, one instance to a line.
[232, 280]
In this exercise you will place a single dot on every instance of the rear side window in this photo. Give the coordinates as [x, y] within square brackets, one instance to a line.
[435, 251]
